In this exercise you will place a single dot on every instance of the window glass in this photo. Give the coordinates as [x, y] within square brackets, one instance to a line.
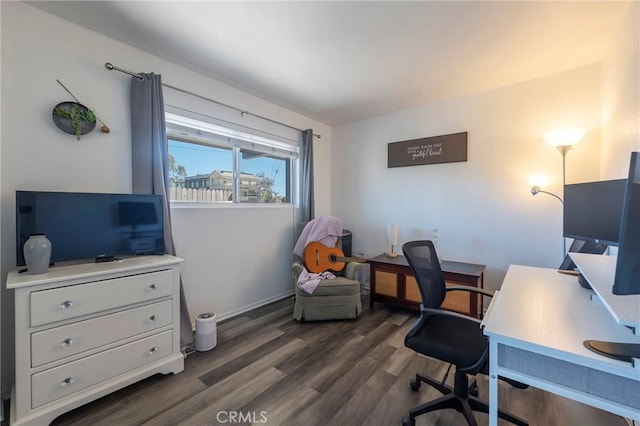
[194, 166]
[209, 163]
[263, 177]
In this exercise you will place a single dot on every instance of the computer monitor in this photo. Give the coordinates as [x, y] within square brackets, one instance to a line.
[627, 277]
[593, 211]
[627, 274]
[592, 215]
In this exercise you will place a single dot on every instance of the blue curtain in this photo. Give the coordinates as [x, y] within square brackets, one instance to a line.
[149, 148]
[306, 177]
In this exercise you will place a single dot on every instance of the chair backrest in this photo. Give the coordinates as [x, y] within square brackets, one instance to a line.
[424, 263]
[300, 226]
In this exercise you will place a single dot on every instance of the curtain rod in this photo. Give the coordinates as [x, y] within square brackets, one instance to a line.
[111, 67]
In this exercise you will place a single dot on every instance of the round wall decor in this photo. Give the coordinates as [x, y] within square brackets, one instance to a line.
[74, 118]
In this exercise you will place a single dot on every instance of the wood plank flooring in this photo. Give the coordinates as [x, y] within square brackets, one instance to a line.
[269, 369]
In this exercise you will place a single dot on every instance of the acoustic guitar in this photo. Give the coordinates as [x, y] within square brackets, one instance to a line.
[319, 258]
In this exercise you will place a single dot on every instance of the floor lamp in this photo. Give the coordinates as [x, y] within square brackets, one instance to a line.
[563, 140]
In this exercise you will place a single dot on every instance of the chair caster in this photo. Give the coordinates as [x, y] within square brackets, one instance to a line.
[473, 389]
[408, 421]
[415, 385]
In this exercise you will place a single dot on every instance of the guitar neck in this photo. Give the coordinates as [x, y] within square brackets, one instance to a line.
[348, 259]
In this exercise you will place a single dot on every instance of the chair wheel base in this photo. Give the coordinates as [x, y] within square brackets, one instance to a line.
[473, 389]
[415, 384]
[408, 421]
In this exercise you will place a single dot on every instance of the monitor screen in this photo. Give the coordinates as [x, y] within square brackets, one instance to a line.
[84, 226]
[627, 278]
[593, 211]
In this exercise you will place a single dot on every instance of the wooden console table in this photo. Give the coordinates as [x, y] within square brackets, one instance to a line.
[393, 283]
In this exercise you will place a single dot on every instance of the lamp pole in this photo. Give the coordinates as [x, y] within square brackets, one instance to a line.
[564, 149]
[563, 140]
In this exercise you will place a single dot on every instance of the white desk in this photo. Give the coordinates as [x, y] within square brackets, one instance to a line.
[600, 272]
[536, 326]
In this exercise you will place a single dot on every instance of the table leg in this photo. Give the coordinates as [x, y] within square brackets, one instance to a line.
[372, 287]
[493, 383]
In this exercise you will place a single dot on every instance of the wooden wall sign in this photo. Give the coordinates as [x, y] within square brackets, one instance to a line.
[437, 149]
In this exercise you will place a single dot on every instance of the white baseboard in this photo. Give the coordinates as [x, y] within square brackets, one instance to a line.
[242, 310]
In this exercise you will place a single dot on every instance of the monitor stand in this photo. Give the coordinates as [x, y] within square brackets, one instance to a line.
[583, 282]
[580, 246]
[620, 351]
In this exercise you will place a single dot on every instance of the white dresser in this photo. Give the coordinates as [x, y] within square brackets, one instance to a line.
[83, 331]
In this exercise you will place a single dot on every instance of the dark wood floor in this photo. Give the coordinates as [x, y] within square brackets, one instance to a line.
[276, 371]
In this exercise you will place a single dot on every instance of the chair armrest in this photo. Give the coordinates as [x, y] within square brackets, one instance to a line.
[296, 270]
[357, 271]
[353, 271]
[470, 289]
[432, 311]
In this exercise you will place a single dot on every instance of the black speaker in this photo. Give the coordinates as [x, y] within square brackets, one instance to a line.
[346, 242]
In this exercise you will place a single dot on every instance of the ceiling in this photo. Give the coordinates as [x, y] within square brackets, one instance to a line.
[342, 61]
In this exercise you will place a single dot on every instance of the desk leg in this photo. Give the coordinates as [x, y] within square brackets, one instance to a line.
[372, 287]
[493, 382]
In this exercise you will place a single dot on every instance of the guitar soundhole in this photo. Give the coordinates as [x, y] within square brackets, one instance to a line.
[332, 258]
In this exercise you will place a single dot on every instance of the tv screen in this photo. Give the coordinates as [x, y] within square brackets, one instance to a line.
[593, 211]
[627, 278]
[84, 226]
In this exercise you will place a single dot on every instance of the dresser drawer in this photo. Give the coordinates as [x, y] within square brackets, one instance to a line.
[59, 382]
[47, 306]
[60, 342]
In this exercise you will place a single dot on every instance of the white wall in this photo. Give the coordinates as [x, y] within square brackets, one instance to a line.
[621, 97]
[220, 245]
[233, 256]
[482, 208]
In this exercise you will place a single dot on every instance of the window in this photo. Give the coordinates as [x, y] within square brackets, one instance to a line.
[195, 166]
[263, 177]
[210, 163]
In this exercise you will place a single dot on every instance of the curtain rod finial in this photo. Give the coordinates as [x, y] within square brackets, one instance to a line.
[109, 66]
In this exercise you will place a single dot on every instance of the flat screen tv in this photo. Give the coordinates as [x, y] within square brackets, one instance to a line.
[593, 211]
[85, 226]
[627, 277]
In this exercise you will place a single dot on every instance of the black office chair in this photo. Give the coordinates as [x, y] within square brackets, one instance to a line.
[451, 337]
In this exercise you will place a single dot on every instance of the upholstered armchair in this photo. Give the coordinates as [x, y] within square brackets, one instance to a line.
[337, 298]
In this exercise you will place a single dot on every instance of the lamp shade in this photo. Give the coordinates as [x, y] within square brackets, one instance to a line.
[565, 137]
[392, 234]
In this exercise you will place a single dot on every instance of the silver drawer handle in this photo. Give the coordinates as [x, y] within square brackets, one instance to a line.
[66, 304]
[153, 287]
[66, 342]
[66, 382]
[153, 350]
[153, 318]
